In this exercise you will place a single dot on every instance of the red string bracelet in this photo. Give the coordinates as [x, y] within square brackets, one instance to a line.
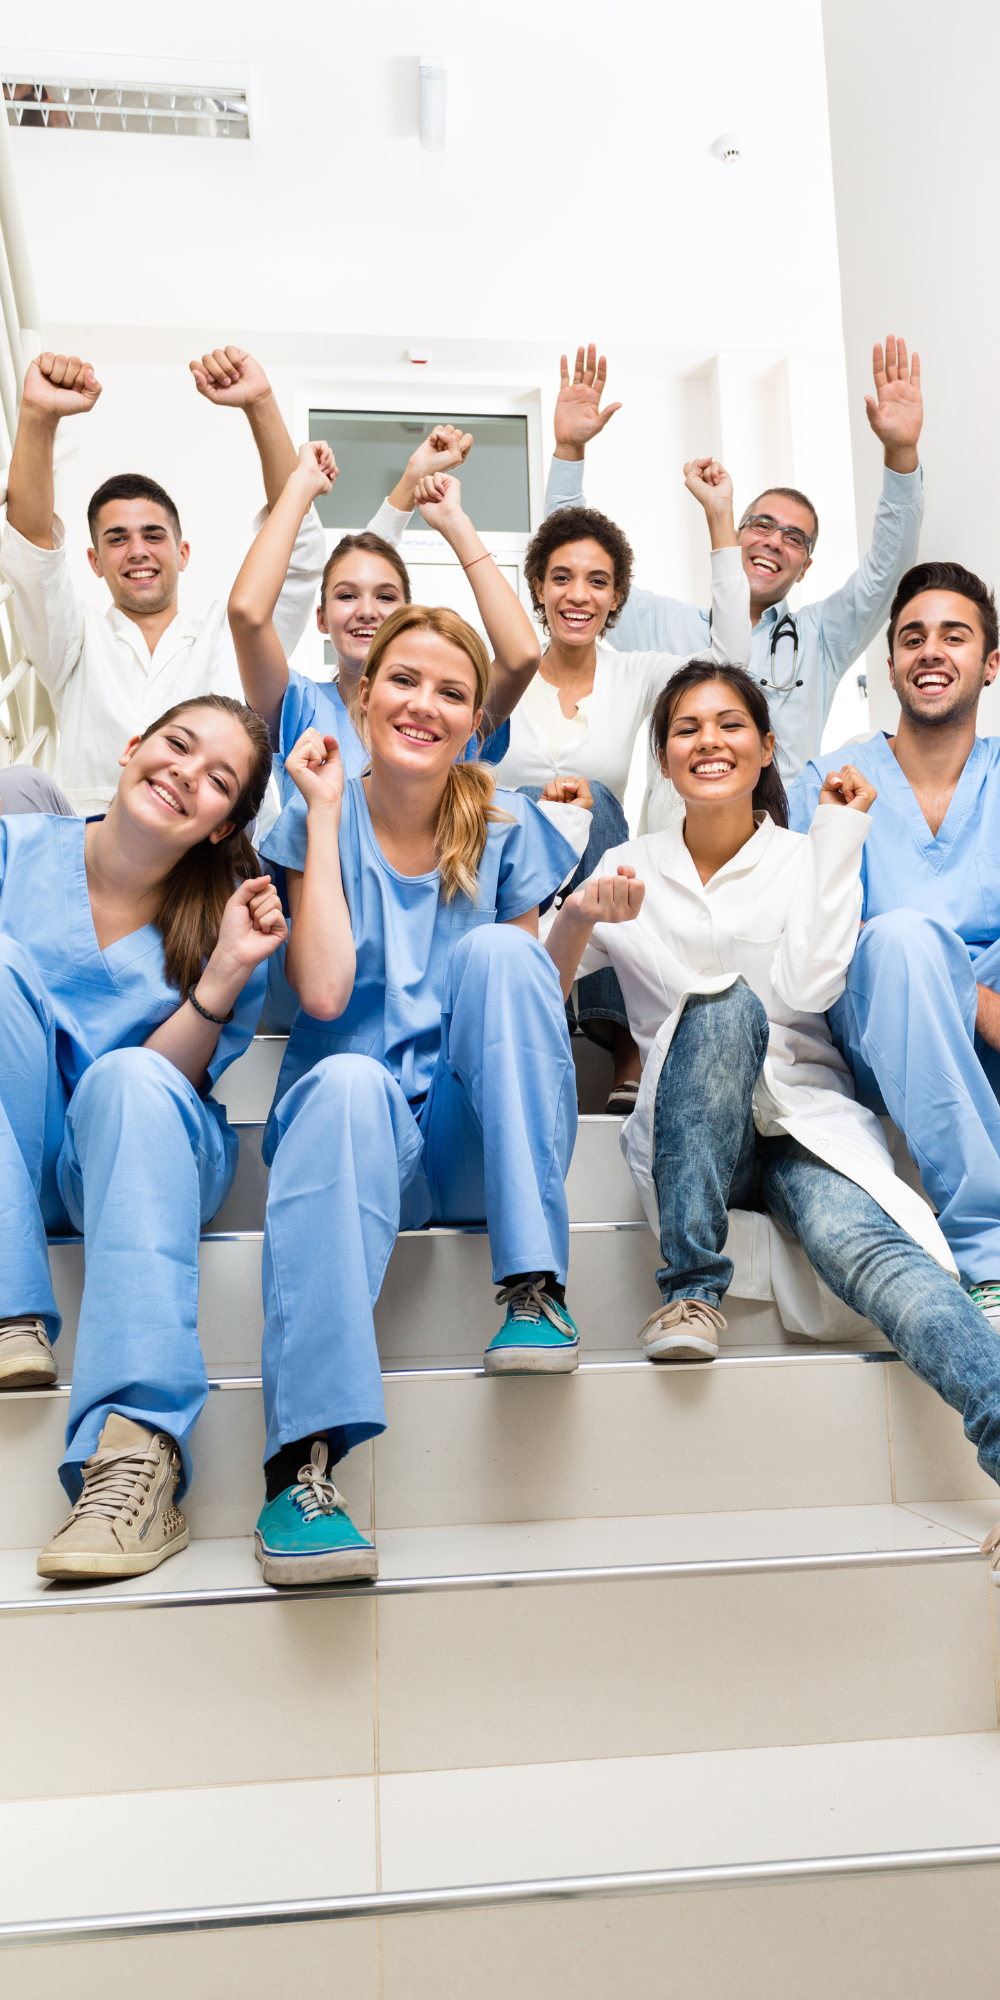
[486, 558]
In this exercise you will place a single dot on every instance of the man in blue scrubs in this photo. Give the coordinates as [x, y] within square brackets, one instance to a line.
[919, 1022]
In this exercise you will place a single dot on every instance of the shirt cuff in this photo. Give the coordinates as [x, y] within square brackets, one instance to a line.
[906, 486]
[389, 523]
[565, 483]
[19, 547]
[850, 828]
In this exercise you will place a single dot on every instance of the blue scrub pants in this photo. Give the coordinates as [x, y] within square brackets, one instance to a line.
[907, 1025]
[353, 1164]
[138, 1162]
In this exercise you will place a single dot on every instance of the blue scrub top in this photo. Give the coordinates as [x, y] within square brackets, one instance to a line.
[319, 705]
[102, 1000]
[404, 932]
[953, 877]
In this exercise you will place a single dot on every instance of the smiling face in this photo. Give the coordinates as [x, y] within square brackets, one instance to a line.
[713, 753]
[360, 593]
[421, 706]
[772, 564]
[578, 592]
[138, 555]
[937, 666]
[182, 783]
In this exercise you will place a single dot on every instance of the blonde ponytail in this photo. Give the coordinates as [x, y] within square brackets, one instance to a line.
[466, 810]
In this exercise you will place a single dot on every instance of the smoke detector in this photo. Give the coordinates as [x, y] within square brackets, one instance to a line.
[728, 147]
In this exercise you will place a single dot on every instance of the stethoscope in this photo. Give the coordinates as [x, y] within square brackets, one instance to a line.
[785, 628]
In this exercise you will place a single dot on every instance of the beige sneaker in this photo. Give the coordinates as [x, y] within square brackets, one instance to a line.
[687, 1330]
[125, 1521]
[26, 1359]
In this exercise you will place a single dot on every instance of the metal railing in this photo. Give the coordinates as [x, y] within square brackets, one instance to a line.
[27, 723]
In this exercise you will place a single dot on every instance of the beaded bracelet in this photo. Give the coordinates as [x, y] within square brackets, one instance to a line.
[217, 1020]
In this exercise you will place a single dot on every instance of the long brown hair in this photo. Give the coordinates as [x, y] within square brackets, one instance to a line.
[200, 884]
[466, 808]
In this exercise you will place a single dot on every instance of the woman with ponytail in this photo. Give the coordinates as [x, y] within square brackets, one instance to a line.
[428, 1076]
[132, 971]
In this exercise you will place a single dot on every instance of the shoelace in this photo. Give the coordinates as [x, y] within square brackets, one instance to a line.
[11, 1329]
[987, 1296]
[110, 1479]
[316, 1494]
[527, 1303]
[689, 1309]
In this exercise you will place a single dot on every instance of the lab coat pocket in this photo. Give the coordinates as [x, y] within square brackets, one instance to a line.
[754, 959]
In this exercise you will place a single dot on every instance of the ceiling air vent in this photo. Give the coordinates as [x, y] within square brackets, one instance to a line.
[97, 104]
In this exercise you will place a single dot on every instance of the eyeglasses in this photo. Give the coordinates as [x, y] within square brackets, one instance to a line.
[792, 538]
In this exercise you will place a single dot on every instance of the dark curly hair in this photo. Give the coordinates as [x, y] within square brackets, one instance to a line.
[578, 524]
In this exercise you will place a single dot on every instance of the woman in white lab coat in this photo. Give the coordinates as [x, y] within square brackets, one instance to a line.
[739, 941]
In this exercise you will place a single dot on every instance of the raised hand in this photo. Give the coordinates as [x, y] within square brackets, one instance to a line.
[446, 447]
[317, 466]
[578, 413]
[439, 498]
[60, 385]
[612, 899]
[713, 489]
[252, 928]
[315, 767]
[847, 787]
[231, 377]
[896, 411]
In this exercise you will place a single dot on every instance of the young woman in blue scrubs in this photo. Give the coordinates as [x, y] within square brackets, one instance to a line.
[131, 974]
[428, 1075]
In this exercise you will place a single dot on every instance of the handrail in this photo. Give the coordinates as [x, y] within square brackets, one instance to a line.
[27, 724]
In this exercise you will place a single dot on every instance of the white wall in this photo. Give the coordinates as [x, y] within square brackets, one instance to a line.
[577, 195]
[917, 183]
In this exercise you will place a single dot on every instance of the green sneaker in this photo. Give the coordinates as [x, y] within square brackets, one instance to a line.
[306, 1534]
[987, 1298]
[537, 1337]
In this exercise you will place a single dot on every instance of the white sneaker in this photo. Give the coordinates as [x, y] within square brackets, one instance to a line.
[26, 1359]
[685, 1330]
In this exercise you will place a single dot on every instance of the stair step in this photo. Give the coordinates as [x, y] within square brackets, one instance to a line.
[747, 1432]
[488, 1838]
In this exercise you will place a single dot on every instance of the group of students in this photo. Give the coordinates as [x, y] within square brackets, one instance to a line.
[442, 890]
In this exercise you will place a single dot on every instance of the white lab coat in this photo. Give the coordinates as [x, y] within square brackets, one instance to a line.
[626, 686]
[784, 915]
[104, 683]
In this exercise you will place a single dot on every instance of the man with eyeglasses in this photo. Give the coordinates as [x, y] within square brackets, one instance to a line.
[797, 660]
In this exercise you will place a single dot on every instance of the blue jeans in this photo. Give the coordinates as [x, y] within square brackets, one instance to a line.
[139, 1162]
[353, 1162]
[600, 1001]
[906, 1024]
[708, 1158]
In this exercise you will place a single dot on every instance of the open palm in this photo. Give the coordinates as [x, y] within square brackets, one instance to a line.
[896, 412]
[578, 413]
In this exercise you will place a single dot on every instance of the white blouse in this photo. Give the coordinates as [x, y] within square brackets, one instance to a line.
[783, 914]
[626, 686]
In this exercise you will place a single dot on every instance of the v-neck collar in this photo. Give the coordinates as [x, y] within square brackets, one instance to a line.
[92, 962]
[936, 846]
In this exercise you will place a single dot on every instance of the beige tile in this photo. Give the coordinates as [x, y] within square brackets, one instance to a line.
[630, 1669]
[203, 1695]
[901, 1937]
[235, 1844]
[809, 1433]
[274, 1962]
[932, 1457]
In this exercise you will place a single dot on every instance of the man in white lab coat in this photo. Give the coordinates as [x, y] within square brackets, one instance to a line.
[109, 676]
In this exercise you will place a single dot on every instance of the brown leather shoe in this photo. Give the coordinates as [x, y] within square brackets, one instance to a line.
[125, 1521]
[26, 1359]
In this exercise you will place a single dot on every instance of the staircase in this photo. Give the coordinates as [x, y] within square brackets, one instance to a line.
[675, 1682]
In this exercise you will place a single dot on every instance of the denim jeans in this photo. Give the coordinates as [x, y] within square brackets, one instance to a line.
[708, 1158]
[600, 1001]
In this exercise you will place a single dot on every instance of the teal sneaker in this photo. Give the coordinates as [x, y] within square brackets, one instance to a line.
[306, 1534]
[987, 1298]
[537, 1337]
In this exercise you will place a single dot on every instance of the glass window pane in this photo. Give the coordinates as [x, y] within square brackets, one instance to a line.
[371, 448]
